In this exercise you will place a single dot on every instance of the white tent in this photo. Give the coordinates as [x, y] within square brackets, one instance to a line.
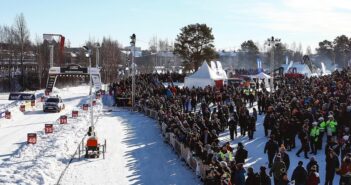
[203, 77]
[300, 68]
[217, 67]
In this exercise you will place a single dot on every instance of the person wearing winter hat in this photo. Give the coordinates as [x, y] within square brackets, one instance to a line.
[299, 175]
[252, 177]
[313, 176]
[277, 169]
[271, 148]
[232, 127]
[264, 178]
[331, 126]
[322, 126]
[312, 163]
[240, 174]
[332, 163]
[345, 170]
[303, 136]
[241, 154]
[314, 136]
[284, 179]
[284, 156]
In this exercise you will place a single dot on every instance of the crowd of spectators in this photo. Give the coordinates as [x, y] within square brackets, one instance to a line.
[305, 107]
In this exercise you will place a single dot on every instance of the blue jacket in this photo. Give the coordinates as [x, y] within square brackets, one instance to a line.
[240, 177]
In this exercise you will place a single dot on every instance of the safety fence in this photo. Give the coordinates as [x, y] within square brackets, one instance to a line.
[184, 152]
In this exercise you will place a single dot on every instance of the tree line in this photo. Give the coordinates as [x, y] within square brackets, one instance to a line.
[194, 44]
[17, 50]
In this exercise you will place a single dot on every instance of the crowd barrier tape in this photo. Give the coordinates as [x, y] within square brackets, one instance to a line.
[184, 152]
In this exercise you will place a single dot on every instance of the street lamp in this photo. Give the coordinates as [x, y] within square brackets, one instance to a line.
[88, 55]
[132, 44]
[272, 42]
[97, 45]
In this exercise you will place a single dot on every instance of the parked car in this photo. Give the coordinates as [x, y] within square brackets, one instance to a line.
[53, 104]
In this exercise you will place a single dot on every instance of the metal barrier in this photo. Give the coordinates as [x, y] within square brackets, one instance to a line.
[184, 152]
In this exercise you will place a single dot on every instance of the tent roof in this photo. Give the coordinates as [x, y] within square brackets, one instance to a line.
[262, 75]
[216, 66]
[300, 68]
[205, 71]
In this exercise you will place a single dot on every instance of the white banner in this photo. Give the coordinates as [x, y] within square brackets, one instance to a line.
[96, 82]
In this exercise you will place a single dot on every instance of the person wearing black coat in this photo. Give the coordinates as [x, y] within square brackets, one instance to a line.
[268, 123]
[285, 157]
[252, 178]
[332, 162]
[241, 154]
[333, 145]
[303, 136]
[299, 175]
[264, 178]
[251, 127]
[271, 148]
[232, 127]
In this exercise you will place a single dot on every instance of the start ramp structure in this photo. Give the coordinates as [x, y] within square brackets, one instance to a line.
[73, 70]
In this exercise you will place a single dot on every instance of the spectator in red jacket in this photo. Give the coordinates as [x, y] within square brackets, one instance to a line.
[345, 171]
[313, 176]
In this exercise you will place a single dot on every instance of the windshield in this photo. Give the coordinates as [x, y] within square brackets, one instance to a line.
[53, 100]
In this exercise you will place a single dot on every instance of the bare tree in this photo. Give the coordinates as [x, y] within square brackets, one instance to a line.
[9, 39]
[22, 38]
[111, 57]
[153, 44]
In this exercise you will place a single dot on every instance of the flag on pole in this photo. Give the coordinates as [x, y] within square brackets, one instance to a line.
[259, 65]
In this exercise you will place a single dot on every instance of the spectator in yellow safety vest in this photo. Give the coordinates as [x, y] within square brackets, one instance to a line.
[314, 134]
[222, 154]
[331, 126]
[321, 132]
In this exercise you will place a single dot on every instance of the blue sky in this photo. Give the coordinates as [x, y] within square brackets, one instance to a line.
[232, 21]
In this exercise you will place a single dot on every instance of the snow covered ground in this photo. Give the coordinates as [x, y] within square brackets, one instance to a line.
[257, 158]
[43, 162]
[136, 154]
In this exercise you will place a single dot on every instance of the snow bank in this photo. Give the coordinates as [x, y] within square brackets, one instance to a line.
[136, 154]
[43, 162]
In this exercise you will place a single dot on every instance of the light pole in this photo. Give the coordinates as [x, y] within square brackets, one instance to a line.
[132, 44]
[97, 45]
[272, 42]
[88, 55]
